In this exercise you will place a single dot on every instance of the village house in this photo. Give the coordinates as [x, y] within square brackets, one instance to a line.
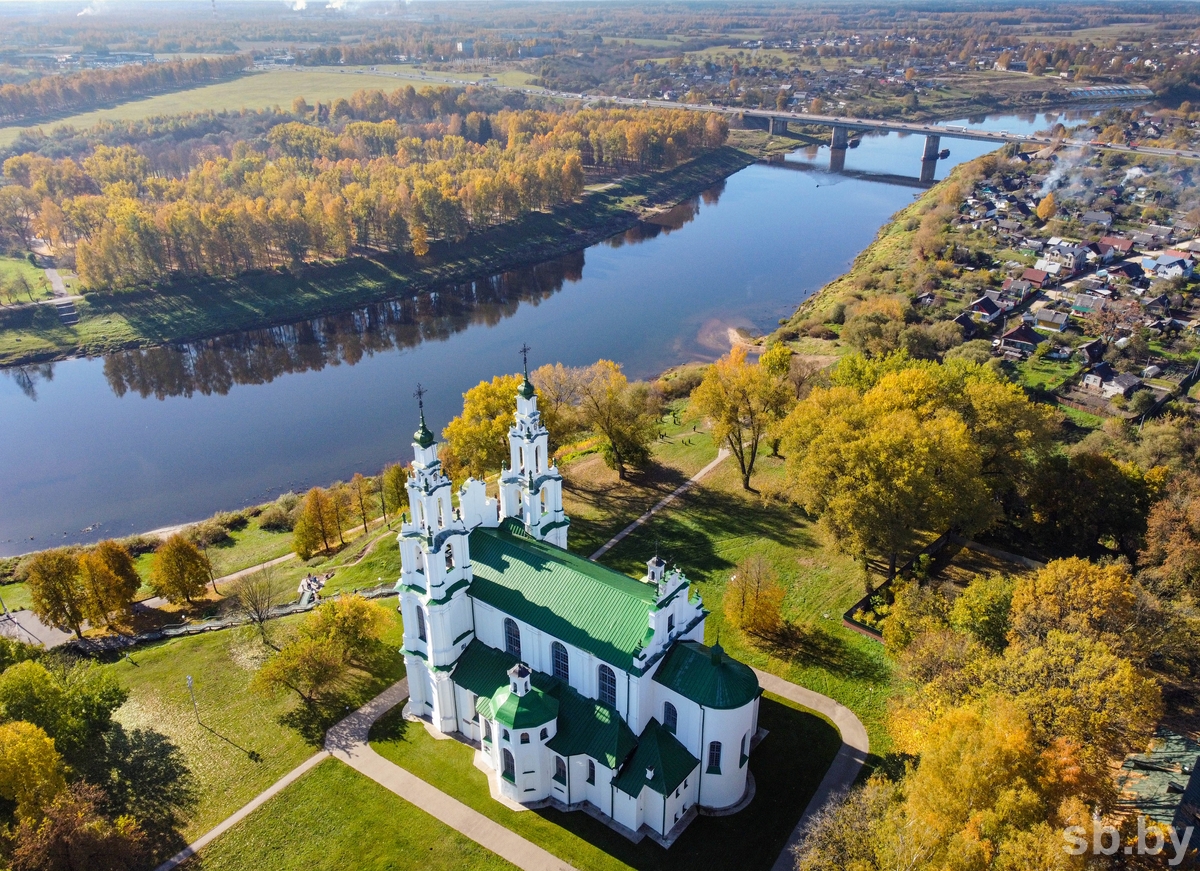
[986, 308]
[1048, 319]
[1037, 277]
[1100, 219]
[1021, 340]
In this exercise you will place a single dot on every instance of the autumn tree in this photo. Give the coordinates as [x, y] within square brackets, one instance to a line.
[477, 440]
[1074, 595]
[1171, 556]
[742, 401]
[31, 770]
[75, 834]
[622, 414]
[360, 491]
[257, 595]
[72, 704]
[876, 474]
[309, 667]
[56, 590]
[315, 524]
[395, 492]
[353, 623]
[754, 597]
[180, 570]
[558, 391]
[110, 581]
[1046, 208]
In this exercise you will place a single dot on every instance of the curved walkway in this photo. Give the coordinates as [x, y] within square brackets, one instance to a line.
[349, 741]
[661, 504]
[846, 764]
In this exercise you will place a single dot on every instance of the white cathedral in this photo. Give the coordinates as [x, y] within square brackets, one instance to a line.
[580, 686]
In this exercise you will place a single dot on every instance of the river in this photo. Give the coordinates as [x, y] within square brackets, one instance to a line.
[92, 448]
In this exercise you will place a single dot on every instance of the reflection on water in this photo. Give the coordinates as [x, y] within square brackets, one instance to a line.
[215, 366]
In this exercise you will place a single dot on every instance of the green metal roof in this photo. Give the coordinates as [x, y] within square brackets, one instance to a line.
[533, 709]
[482, 670]
[587, 727]
[526, 389]
[423, 436]
[571, 598]
[659, 755]
[707, 676]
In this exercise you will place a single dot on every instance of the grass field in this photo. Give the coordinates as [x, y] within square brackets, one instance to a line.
[716, 524]
[250, 91]
[15, 596]
[787, 766]
[334, 818]
[243, 741]
[39, 286]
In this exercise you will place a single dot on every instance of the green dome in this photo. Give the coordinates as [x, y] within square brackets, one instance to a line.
[423, 437]
[525, 391]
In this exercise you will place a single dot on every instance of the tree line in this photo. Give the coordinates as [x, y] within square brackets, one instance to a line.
[75, 92]
[312, 193]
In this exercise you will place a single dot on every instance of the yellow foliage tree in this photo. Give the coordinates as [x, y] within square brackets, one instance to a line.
[1047, 209]
[31, 771]
[477, 440]
[754, 597]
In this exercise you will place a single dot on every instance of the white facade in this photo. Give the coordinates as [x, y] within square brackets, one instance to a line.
[652, 766]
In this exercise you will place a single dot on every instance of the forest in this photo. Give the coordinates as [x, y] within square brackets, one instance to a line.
[336, 180]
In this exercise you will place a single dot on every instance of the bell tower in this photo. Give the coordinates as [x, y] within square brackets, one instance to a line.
[435, 565]
[531, 486]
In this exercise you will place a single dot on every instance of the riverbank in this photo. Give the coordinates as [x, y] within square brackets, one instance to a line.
[194, 310]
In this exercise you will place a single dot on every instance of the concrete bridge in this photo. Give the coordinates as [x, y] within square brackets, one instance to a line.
[842, 126]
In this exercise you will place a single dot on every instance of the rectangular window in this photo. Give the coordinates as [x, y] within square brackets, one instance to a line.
[591, 778]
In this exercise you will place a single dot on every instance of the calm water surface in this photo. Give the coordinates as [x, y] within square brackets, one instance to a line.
[141, 439]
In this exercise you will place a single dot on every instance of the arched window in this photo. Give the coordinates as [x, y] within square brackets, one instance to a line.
[591, 771]
[449, 556]
[524, 737]
[544, 734]
[670, 717]
[487, 730]
[670, 623]
[559, 661]
[560, 769]
[421, 623]
[512, 638]
[508, 765]
[608, 686]
[714, 757]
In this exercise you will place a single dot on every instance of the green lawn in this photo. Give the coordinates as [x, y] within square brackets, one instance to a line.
[15, 596]
[243, 742]
[1045, 374]
[787, 766]
[39, 285]
[334, 818]
[716, 524]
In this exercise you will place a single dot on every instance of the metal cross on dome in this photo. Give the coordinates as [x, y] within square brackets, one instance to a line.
[419, 393]
[525, 349]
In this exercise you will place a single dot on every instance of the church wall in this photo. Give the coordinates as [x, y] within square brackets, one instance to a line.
[627, 810]
[678, 802]
[730, 728]
[688, 716]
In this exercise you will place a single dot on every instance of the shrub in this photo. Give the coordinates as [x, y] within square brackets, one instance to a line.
[207, 533]
[276, 519]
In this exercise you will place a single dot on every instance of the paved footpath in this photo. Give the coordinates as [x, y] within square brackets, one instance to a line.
[254, 804]
[661, 504]
[845, 766]
[348, 741]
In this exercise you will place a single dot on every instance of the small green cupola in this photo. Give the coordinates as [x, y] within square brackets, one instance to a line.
[526, 391]
[423, 437]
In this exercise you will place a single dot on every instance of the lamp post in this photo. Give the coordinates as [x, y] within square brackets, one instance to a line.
[192, 693]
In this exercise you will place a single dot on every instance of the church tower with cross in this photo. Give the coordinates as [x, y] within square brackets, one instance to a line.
[579, 686]
[531, 486]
